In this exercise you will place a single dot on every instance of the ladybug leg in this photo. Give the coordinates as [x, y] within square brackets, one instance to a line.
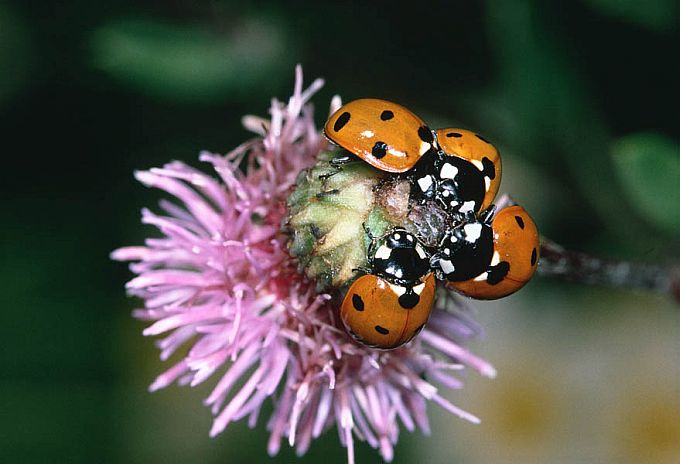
[340, 161]
[368, 232]
[372, 238]
[337, 163]
[436, 267]
[327, 193]
[323, 177]
[486, 217]
[363, 270]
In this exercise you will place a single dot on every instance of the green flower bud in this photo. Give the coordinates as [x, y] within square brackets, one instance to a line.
[331, 209]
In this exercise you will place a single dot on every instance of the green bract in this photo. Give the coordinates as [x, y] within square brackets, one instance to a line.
[331, 208]
[326, 217]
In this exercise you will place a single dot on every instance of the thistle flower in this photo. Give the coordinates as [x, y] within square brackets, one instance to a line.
[220, 279]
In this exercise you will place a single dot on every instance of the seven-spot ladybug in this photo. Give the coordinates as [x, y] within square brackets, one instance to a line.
[398, 257]
[475, 149]
[389, 305]
[484, 257]
[515, 257]
[385, 135]
[466, 250]
[374, 314]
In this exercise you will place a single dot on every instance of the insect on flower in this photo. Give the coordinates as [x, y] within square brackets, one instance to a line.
[220, 280]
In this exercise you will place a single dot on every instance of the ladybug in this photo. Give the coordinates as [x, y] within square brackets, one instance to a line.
[389, 305]
[516, 252]
[488, 259]
[476, 150]
[464, 175]
[458, 168]
[374, 314]
[465, 251]
[385, 135]
[398, 257]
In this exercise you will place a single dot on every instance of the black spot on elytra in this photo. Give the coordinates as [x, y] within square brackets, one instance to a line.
[425, 134]
[381, 330]
[409, 299]
[379, 149]
[534, 256]
[520, 222]
[489, 169]
[386, 115]
[454, 134]
[482, 139]
[498, 272]
[357, 302]
[341, 121]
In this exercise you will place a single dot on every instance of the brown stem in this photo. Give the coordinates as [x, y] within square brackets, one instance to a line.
[558, 262]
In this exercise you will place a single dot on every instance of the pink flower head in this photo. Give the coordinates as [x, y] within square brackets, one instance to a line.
[220, 280]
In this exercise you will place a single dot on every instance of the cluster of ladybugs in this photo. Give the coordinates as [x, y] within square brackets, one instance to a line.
[487, 255]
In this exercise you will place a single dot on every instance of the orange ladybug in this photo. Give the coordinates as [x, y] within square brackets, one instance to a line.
[477, 150]
[513, 261]
[389, 305]
[382, 315]
[385, 135]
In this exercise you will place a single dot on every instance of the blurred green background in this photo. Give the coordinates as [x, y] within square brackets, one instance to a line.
[580, 96]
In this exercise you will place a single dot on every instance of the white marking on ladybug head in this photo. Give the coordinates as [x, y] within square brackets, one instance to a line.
[398, 289]
[496, 258]
[419, 288]
[467, 206]
[487, 183]
[472, 232]
[448, 171]
[447, 266]
[478, 164]
[420, 252]
[425, 183]
[397, 236]
[383, 252]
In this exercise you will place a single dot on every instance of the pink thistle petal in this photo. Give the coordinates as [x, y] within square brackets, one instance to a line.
[218, 281]
[457, 352]
[455, 410]
[169, 376]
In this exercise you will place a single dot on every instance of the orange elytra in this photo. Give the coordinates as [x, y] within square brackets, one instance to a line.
[515, 257]
[384, 134]
[477, 150]
[374, 315]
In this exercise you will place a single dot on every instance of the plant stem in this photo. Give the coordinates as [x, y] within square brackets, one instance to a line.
[574, 266]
